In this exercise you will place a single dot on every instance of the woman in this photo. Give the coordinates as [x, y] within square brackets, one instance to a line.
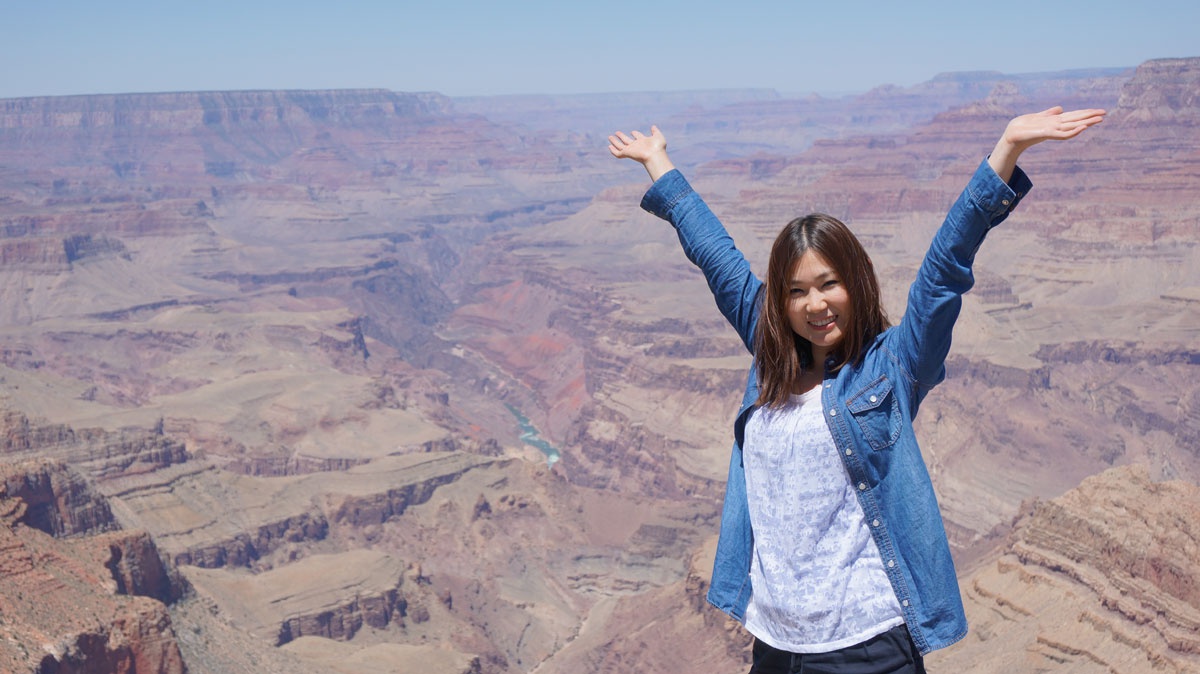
[832, 550]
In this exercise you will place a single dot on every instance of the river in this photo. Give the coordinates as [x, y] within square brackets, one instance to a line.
[530, 436]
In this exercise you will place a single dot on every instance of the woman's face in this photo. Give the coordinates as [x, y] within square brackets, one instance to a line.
[818, 304]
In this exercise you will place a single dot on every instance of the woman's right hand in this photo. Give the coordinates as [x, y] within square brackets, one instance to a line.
[649, 151]
[1026, 131]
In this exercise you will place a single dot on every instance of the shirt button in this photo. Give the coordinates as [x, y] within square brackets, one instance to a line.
[827, 385]
[849, 452]
[874, 523]
[1005, 202]
[904, 603]
[891, 563]
[874, 399]
[862, 486]
[833, 413]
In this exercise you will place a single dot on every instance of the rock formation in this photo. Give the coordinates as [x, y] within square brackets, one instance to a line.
[74, 596]
[1100, 579]
[315, 349]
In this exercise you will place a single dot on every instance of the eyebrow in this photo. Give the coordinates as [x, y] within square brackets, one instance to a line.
[820, 277]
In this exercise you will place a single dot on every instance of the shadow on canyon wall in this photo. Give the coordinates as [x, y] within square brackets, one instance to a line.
[264, 354]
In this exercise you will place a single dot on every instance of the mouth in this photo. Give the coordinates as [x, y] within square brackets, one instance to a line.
[824, 323]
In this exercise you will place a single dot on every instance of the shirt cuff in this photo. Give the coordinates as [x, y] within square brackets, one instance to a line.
[667, 191]
[993, 195]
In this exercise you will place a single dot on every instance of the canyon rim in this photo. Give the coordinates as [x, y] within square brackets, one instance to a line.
[267, 358]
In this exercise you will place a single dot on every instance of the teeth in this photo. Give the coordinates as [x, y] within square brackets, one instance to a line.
[822, 323]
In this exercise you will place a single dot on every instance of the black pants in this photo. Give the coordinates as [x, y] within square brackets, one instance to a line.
[892, 652]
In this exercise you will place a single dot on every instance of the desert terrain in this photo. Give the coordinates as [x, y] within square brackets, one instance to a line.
[370, 381]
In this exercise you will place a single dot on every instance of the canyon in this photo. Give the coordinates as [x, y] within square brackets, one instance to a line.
[265, 359]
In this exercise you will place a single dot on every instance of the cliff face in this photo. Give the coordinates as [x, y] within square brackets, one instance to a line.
[1101, 579]
[91, 602]
[311, 343]
[1162, 92]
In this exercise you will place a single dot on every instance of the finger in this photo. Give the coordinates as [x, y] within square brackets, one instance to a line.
[637, 135]
[1077, 115]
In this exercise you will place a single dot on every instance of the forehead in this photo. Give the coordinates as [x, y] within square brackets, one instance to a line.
[809, 267]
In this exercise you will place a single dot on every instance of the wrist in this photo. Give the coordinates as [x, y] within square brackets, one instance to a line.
[658, 165]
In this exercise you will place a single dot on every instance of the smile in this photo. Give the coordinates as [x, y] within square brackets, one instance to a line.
[823, 323]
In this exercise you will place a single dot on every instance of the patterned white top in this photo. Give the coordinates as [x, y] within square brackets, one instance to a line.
[819, 583]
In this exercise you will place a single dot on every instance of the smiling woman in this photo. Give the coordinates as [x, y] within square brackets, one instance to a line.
[820, 287]
[832, 550]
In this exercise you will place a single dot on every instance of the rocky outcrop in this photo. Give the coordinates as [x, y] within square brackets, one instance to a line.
[138, 639]
[102, 455]
[344, 303]
[1101, 579]
[19, 434]
[137, 568]
[329, 596]
[246, 548]
[80, 604]
[1162, 92]
[342, 622]
[56, 500]
[361, 510]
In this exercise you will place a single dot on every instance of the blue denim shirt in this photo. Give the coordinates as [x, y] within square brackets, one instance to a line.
[869, 406]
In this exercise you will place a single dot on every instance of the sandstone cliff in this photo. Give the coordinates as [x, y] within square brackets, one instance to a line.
[314, 344]
[90, 602]
[1101, 579]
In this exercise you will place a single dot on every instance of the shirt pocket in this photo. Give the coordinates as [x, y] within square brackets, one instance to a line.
[877, 412]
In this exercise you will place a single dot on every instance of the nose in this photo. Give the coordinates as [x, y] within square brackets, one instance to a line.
[816, 302]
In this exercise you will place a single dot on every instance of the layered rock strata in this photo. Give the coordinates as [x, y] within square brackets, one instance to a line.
[327, 311]
[91, 602]
[1101, 579]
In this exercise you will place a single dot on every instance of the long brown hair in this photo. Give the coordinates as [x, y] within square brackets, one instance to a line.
[781, 354]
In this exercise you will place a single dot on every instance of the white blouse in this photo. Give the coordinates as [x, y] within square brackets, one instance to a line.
[818, 579]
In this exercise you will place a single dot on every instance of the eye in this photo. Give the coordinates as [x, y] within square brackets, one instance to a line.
[830, 283]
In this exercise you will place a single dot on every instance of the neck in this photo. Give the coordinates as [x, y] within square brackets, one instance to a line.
[818, 358]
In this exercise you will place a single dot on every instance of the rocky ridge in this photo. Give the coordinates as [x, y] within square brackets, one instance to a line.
[290, 334]
[77, 595]
[1101, 579]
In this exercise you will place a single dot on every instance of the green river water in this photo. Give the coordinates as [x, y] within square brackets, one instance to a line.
[530, 436]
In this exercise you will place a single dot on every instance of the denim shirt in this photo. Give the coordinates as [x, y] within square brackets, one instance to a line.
[869, 406]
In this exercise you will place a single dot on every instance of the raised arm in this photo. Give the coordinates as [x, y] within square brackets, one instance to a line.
[1026, 131]
[649, 151]
[922, 339]
[703, 237]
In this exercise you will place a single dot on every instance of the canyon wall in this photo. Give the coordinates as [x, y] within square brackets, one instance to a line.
[282, 373]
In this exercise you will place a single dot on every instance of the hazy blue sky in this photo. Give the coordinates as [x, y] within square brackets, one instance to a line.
[462, 47]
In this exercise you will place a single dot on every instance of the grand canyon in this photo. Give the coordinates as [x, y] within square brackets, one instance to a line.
[368, 381]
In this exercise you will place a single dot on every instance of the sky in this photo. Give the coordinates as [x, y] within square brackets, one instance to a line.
[477, 48]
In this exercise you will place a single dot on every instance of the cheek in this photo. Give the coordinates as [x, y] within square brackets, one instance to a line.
[795, 311]
[844, 303]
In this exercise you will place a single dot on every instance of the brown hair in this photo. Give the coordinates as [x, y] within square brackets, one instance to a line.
[781, 354]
